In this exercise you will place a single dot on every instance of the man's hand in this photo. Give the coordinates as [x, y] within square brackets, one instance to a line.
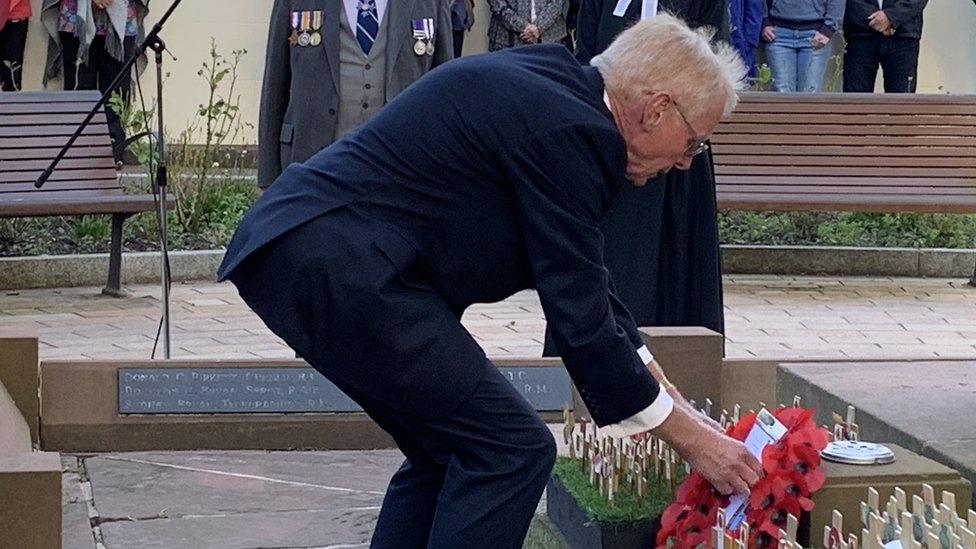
[723, 461]
[530, 34]
[768, 34]
[102, 3]
[819, 40]
[879, 22]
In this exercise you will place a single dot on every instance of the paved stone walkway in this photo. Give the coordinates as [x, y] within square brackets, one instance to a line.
[766, 316]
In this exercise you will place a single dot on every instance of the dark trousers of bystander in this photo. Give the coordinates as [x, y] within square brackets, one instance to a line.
[13, 38]
[897, 57]
[100, 70]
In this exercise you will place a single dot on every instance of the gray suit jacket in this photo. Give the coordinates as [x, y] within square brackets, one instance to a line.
[300, 95]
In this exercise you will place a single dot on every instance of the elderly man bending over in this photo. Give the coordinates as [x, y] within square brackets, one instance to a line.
[486, 177]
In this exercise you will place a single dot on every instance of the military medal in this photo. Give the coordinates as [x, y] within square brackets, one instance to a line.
[316, 38]
[304, 39]
[429, 31]
[293, 39]
[420, 35]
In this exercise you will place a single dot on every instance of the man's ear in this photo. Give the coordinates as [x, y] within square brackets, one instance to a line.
[655, 103]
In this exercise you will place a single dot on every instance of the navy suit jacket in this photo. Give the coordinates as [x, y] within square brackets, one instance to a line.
[495, 169]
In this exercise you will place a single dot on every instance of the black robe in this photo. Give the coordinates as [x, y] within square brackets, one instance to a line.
[661, 240]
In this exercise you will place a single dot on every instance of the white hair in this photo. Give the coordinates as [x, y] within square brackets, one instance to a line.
[663, 54]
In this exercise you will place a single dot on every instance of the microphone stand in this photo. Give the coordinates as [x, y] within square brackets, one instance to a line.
[155, 43]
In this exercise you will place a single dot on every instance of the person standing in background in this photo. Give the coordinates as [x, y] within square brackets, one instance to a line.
[462, 19]
[332, 64]
[745, 26]
[13, 38]
[798, 33]
[521, 22]
[662, 246]
[89, 42]
[884, 33]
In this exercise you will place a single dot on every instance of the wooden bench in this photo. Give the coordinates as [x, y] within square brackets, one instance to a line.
[848, 152]
[33, 126]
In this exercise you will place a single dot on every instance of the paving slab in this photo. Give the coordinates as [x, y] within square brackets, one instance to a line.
[76, 530]
[346, 528]
[146, 486]
[927, 407]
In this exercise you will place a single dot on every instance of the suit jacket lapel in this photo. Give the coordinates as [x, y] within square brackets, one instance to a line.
[330, 38]
[398, 12]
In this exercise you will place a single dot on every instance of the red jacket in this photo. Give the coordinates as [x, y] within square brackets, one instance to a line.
[19, 9]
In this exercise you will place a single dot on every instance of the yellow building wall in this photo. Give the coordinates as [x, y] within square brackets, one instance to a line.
[947, 62]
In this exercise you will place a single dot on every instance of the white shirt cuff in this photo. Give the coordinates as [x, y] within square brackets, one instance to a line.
[645, 354]
[642, 421]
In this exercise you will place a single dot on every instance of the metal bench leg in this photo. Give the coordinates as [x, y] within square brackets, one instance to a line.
[114, 286]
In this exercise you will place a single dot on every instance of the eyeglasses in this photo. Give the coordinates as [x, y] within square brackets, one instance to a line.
[696, 144]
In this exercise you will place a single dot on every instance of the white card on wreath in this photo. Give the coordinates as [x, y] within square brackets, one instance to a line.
[764, 432]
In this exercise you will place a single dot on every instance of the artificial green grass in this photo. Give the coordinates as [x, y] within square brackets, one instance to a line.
[625, 507]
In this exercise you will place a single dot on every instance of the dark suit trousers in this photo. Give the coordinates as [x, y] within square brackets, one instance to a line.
[13, 38]
[897, 57]
[473, 475]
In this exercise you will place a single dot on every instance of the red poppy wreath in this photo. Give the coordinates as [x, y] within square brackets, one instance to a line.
[792, 475]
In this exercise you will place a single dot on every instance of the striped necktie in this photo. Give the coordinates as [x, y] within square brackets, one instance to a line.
[367, 25]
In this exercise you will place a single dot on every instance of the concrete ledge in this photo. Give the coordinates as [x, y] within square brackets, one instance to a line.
[30, 492]
[20, 374]
[846, 261]
[752, 382]
[924, 407]
[691, 357]
[62, 271]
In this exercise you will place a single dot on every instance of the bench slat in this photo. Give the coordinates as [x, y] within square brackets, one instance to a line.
[74, 184]
[801, 183]
[909, 119]
[67, 107]
[847, 171]
[846, 202]
[68, 203]
[843, 140]
[864, 161]
[723, 151]
[847, 129]
[58, 175]
[51, 142]
[90, 96]
[35, 120]
[934, 192]
[48, 153]
[841, 108]
[38, 165]
[65, 130]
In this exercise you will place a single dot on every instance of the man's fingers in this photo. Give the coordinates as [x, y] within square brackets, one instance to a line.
[722, 487]
[740, 485]
[749, 476]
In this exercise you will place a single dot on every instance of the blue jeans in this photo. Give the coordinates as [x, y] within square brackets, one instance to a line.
[795, 64]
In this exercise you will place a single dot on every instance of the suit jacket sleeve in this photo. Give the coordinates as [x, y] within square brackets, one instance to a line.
[274, 95]
[752, 18]
[904, 11]
[587, 25]
[508, 16]
[444, 41]
[550, 11]
[560, 186]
